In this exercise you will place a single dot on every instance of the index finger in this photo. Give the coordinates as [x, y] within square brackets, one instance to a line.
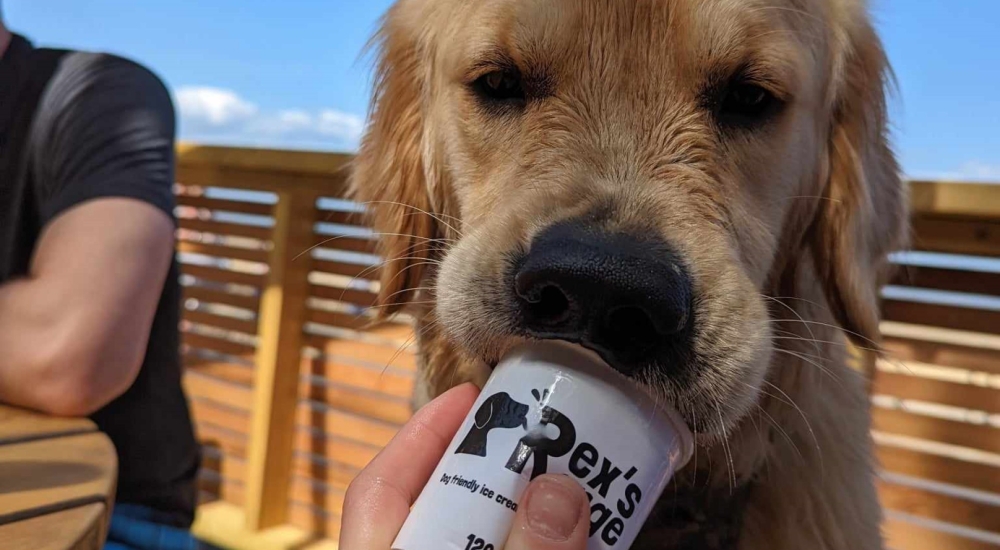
[379, 498]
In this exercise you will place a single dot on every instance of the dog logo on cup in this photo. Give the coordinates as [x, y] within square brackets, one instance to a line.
[501, 411]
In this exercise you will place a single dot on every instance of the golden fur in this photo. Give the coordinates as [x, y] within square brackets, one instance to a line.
[785, 228]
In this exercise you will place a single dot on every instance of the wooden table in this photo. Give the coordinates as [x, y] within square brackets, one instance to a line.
[57, 482]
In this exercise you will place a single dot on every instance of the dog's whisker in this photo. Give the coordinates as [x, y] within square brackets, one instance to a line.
[406, 343]
[415, 237]
[435, 215]
[801, 299]
[419, 332]
[393, 304]
[727, 450]
[325, 242]
[802, 413]
[796, 313]
[782, 431]
[777, 346]
[321, 244]
[828, 325]
[405, 290]
[412, 266]
[806, 358]
[371, 269]
[422, 211]
[829, 342]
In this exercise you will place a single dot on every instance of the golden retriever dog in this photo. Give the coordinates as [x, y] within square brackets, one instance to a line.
[701, 191]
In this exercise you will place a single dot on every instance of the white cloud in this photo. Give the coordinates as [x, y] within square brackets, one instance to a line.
[220, 116]
[213, 106]
[335, 123]
[978, 170]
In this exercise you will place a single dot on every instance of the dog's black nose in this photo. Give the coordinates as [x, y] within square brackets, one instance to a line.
[627, 297]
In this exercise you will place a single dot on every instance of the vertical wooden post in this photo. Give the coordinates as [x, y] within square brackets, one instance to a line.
[279, 332]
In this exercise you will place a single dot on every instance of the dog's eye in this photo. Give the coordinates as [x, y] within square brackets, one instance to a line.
[745, 104]
[503, 86]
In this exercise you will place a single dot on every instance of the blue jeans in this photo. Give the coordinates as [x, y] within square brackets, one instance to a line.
[135, 528]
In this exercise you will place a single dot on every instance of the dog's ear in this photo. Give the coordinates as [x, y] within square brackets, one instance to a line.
[863, 215]
[392, 175]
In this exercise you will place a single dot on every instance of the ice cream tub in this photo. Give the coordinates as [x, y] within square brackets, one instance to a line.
[550, 407]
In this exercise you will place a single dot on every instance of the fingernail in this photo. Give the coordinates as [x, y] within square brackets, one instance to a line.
[553, 509]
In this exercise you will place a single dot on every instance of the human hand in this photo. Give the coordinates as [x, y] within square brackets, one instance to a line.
[555, 515]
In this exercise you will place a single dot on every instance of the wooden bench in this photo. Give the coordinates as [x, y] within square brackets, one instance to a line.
[57, 482]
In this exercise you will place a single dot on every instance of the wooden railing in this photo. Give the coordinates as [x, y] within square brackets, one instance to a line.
[937, 394]
[294, 391]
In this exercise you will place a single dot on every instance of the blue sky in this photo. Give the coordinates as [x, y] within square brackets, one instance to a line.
[288, 74]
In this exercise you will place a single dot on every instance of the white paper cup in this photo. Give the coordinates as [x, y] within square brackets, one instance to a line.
[550, 407]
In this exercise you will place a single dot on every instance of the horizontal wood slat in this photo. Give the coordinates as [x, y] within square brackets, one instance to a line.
[221, 321]
[374, 405]
[220, 416]
[982, 437]
[939, 468]
[908, 536]
[229, 372]
[329, 168]
[200, 341]
[211, 296]
[964, 396]
[919, 502]
[351, 296]
[396, 355]
[327, 471]
[242, 207]
[957, 236]
[955, 280]
[237, 396]
[361, 272]
[350, 244]
[327, 497]
[222, 228]
[342, 218]
[346, 451]
[385, 381]
[230, 443]
[959, 199]
[352, 321]
[219, 251]
[950, 355]
[348, 426]
[960, 318]
[223, 275]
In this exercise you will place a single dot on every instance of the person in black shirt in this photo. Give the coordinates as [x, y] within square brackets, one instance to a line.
[89, 291]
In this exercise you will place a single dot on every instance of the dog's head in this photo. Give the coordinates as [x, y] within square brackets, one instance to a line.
[634, 176]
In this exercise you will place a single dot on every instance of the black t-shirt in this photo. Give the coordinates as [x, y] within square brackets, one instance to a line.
[103, 127]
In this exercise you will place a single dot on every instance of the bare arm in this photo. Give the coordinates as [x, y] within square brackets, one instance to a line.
[74, 326]
[74, 331]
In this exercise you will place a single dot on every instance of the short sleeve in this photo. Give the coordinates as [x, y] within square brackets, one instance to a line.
[104, 128]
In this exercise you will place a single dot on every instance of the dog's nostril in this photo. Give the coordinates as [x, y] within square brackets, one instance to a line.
[547, 304]
[630, 326]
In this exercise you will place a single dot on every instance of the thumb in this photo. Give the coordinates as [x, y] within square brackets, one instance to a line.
[554, 516]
